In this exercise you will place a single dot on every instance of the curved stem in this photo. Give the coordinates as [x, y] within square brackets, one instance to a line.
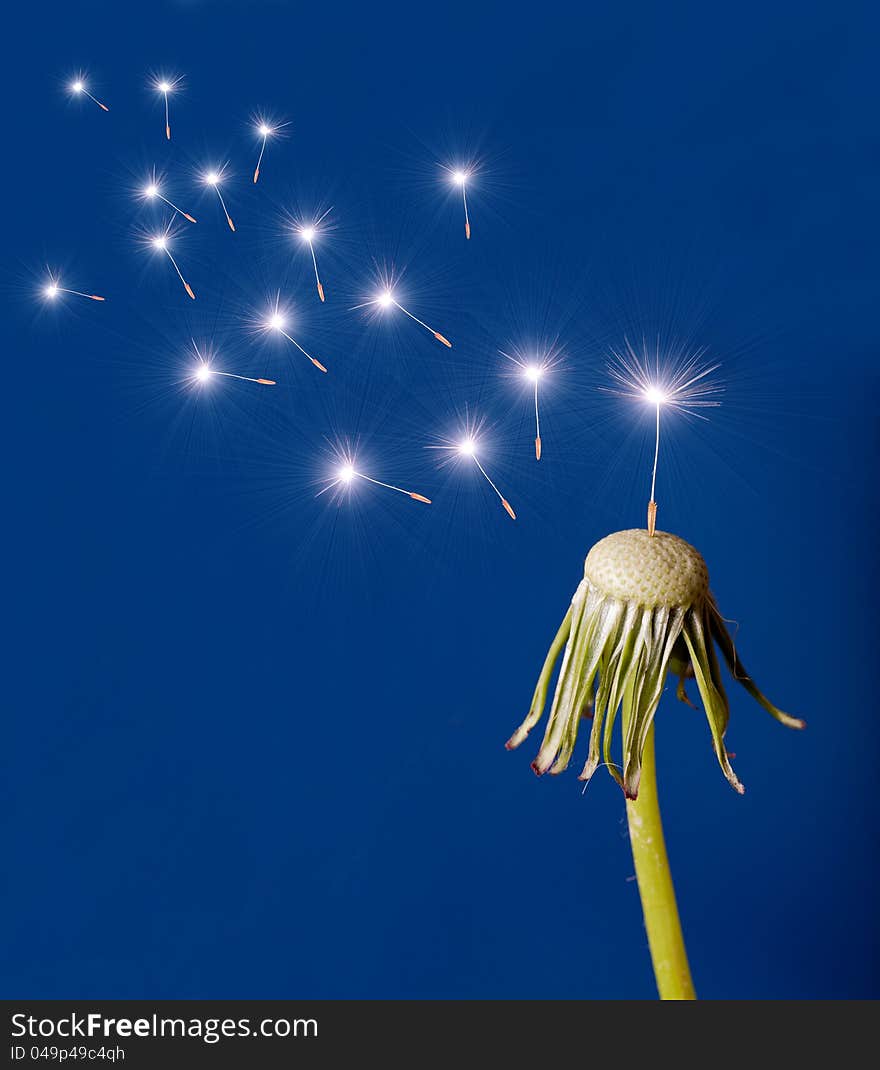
[662, 922]
[656, 456]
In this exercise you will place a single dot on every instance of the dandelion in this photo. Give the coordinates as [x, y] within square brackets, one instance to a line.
[642, 610]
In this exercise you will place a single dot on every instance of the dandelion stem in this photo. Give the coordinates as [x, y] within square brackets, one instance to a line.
[659, 907]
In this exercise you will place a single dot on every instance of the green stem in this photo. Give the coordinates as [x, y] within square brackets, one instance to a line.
[662, 922]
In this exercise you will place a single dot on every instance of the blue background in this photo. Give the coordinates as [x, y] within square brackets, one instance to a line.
[254, 737]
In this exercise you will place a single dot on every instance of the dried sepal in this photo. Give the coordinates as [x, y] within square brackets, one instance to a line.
[738, 671]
